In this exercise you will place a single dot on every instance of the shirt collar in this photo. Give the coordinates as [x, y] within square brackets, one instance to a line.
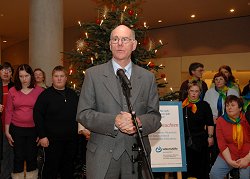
[128, 68]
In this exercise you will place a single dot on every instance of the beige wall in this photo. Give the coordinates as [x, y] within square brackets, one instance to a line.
[214, 37]
[17, 54]
[176, 68]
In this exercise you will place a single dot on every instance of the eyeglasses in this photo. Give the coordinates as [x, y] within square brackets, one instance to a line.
[200, 70]
[6, 70]
[123, 40]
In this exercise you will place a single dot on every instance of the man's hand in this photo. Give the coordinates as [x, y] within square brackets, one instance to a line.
[1, 108]
[243, 162]
[233, 163]
[9, 137]
[85, 132]
[44, 142]
[124, 123]
[210, 141]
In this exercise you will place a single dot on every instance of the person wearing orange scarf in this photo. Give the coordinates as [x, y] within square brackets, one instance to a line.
[198, 127]
[233, 137]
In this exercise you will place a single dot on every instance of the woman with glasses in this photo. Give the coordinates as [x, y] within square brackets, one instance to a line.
[196, 71]
[6, 151]
[198, 125]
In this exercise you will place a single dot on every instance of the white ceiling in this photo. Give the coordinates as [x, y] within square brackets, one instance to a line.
[14, 14]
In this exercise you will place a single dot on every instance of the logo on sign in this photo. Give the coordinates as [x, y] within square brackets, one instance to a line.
[158, 149]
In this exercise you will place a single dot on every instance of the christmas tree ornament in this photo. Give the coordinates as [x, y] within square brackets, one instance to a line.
[145, 41]
[151, 65]
[163, 75]
[113, 8]
[98, 21]
[88, 61]
[131, 12]
[80, 45]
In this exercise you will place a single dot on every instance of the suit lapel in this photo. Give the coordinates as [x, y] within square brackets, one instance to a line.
[110, 81]
[136, 82]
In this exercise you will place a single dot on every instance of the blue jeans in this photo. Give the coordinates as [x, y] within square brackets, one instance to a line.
[221, 168]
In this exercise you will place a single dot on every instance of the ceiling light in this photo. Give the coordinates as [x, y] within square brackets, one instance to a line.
[231, 10]
[159, 21]
[192, 16]
[4, 41]
[1, 15]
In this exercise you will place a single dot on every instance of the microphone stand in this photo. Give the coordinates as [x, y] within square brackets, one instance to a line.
[140, 147]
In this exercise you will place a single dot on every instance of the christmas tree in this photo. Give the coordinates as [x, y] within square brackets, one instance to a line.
[93, 47]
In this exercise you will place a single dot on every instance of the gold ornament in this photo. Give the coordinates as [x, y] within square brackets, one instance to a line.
[80, 45]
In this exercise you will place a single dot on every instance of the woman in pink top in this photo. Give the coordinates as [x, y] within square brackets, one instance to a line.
[19, 125]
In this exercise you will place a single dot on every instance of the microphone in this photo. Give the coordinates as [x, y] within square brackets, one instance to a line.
[120, 72]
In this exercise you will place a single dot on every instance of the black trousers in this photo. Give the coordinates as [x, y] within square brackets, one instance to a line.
[214, 150]
[59, 159]
[25, 148]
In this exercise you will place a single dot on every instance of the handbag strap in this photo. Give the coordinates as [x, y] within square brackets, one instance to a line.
[186, 119]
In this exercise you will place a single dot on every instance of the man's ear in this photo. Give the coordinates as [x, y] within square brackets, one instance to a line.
[134, 45]
[110, 46]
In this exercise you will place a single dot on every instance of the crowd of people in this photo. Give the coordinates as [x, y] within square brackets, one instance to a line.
[36, 117]
[219, 133]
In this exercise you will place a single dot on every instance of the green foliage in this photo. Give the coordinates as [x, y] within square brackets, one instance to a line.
[93, 47]
[171, 96]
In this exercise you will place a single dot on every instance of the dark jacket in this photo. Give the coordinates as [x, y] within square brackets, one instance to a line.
[55, 114]
[11, 84]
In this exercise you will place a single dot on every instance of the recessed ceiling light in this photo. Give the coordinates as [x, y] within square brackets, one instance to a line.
[4, 41]
[159, 21]
[192, 16]
[1, 15]
[231, 10]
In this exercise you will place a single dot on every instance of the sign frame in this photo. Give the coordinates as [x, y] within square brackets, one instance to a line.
[181, 142]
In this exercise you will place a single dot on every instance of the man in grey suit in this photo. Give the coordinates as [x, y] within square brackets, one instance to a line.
[103, 110]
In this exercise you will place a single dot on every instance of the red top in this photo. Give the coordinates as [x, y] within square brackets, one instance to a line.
[224, 135]
[19, 107]
[5, 94]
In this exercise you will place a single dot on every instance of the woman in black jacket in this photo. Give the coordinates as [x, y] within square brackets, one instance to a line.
[198, 127]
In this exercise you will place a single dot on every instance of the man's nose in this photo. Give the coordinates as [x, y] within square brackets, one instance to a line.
[120, 42]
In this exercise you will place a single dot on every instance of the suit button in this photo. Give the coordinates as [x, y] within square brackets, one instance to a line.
[110, 151]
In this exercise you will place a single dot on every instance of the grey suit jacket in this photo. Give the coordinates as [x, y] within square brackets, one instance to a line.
[101, 100]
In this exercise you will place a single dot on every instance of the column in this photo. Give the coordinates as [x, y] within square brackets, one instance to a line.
[0, 50]
[46, 35]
